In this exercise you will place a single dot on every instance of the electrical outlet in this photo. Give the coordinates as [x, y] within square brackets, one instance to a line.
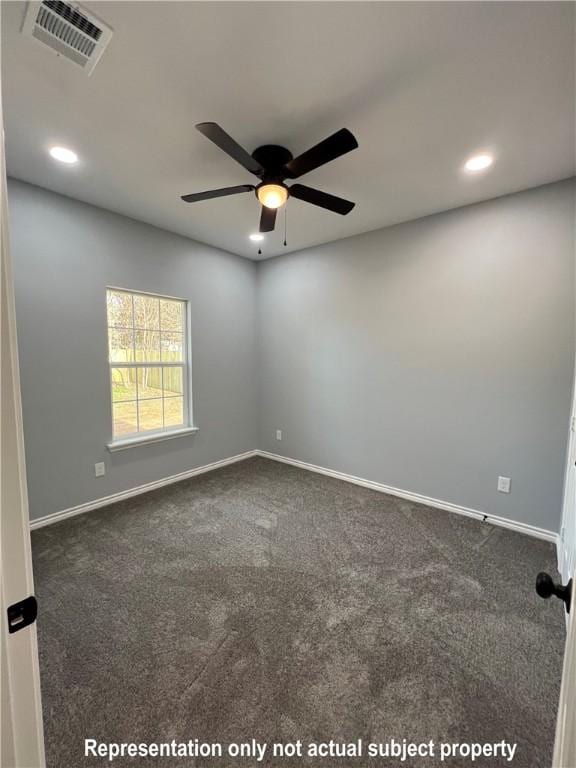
[504, 484]
[99, 469]
[278, 434]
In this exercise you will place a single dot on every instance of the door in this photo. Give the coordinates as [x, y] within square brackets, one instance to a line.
[565, 749]
[21, 709]
[567, 549]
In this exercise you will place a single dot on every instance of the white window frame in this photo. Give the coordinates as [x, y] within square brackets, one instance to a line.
[166, 433]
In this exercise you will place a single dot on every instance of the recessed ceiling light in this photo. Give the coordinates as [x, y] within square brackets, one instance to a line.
[478, 163]
[256, 238]
[64, 155]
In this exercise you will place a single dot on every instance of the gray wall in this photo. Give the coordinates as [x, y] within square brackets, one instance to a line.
[432, 356]
[65, 253]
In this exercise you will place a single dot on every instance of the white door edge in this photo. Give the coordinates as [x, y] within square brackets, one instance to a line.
[22, 743]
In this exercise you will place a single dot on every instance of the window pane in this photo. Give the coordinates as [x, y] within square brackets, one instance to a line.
[173, 382]
[171, 315]
[119, 308]
[123, 384]
[146, 312]
[145, 334]
[124, 416]
[172, 347]
[121, 345]
[150, 414]
[174, 412]
[149, 382]
[147, 346]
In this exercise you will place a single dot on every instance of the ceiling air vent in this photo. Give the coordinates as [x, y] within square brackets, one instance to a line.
[69, 30]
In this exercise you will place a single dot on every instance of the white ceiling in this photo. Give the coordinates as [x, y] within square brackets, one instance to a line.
[421, 85]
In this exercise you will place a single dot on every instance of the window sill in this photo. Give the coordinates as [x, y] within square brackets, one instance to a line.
[132, 442]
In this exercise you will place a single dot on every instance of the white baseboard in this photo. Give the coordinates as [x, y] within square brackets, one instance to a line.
[503, 522]
[530, 530]
[56, 517]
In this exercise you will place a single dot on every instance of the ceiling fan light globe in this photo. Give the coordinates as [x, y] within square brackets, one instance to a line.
[272, 195]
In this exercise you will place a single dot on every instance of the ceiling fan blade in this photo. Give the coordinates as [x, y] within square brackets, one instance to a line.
[197, 196]
[323, 199]
[267, 219]
[334, 146]
[227, 144]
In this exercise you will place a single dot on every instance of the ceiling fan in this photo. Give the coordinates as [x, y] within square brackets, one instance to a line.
[273, 164]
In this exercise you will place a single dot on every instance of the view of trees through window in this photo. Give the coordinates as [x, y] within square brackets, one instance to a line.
[147, 354]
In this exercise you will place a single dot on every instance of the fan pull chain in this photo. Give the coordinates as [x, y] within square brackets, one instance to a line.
[259, 249]
[285, 226]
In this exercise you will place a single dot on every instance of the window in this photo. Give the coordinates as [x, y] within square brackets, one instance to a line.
[147, 341]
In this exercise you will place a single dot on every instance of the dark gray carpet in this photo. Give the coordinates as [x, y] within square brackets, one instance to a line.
[265, 601]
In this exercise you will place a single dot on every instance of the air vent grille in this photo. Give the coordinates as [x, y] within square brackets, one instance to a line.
[69, 30]
[65, 32]
[75, 18]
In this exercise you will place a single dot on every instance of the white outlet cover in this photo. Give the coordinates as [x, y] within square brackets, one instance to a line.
[99, 469]
[278, 434]
[504, 484]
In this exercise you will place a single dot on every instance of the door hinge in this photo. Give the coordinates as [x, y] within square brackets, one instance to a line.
[22, 614]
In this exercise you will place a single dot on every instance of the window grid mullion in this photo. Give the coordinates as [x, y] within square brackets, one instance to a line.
[133, 329]
[163, 413]
[152, 364]
[136, 371]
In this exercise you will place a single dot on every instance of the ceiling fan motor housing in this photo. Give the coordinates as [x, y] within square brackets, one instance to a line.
[272, 158]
